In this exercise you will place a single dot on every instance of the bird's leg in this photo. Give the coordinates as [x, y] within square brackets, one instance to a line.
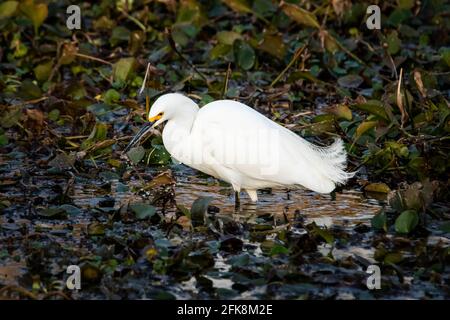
[237, 202]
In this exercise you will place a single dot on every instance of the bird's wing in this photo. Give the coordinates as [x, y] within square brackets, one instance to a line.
[251, 147]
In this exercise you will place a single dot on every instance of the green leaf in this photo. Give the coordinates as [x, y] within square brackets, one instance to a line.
[378, 187]
[342, 111]
[54, 114]
[136, 154]
[3, 140]
[118, 35]
[374, 107]
[379, 221]
[239, 6]
[37, 13]
[10, 118]
[274, 45]
[184, 210]
[227, 37]
[159, 155]
[245, 55]
[393, 258]
[98, 133]
[406, 221]
[220, 50]
[323, 233]
[123, 68]
[198, 210]
[111, 96]
[8, 9]
[278, 249]
[393, 42]
[300, 15]
[445, 227]
[364, 127]
[43, 70]
[446, 56]
[143, 210]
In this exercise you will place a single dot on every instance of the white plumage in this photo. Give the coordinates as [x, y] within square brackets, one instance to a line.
[237, 144]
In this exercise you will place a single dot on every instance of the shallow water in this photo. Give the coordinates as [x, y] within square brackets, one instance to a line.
[276, 209]
[348, 209]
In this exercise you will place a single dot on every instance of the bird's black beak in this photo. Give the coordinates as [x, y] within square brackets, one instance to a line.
[139, 136]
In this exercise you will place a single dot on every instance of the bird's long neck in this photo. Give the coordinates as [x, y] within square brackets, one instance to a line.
[177, 134]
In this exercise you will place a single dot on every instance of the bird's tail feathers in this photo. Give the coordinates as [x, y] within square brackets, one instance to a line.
[331, 162]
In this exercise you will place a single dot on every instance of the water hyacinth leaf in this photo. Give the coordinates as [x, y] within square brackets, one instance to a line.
[190, 14]
[119, 34]
[379, 221]
[374, 107]
[445, 227]
[143, 210]
[244, 54]
[323, 233]
[240, 260]
[123, 68]
[329, 42]
[162, 179]
[278, 249]
[3, 140]
[393, 258]
[393, 42]
[445, 53]
[300, 15]
[53, 213]
[54, 115]
[220, 51]
[198, 210]
[36, 12]
[111, 96]
[43, 70]
[228, 37]
[136, 154]
[98, 133]
[238, 5]
[342, 112]
[8, 9]
[350, 81]
[29, 90]
[274, 45]
[364, 127]
[10, 118]
[159, 155]
[377, 187]
[406, 221]
[70, 209]
[405, 4]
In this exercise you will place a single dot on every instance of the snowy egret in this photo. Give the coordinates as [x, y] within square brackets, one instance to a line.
[233, 142]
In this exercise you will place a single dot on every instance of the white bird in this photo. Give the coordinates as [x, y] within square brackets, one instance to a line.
[233, 142]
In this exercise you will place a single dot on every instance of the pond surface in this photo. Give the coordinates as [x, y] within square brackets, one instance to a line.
[291, 244]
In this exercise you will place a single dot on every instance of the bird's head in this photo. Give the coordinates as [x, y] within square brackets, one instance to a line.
[165, 108]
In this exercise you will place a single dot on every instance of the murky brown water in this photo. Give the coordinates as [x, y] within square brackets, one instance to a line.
[349, 208]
